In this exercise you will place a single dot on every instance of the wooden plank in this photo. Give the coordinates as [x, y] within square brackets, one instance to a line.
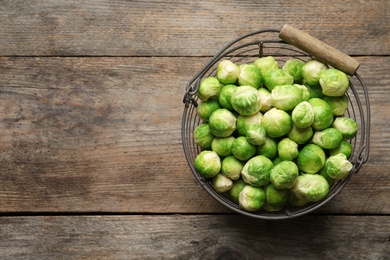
[194, 237]
[185, 28]
[103, 134]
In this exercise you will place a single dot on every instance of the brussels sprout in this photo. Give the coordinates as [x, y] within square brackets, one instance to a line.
[203, 136]
[300, 135]
[206, 108]
[209, 88]
[251, 198]
[227, 72]
[245, 122]
[256, 135]
[257, 170]
[238, 186]
[286, 97]
[323, 173]
[311, 187]
[222, 123]
[246, 100]
[232, 167]
[275, 197]
[265, 100]
[297, 202]
[323, 114]
[338, 104]
[311, 71]
[277, 160]
[315, 90]
[277, 77]
[265, 64]
[344, 148]
[305, 92]
[337, 166]
[250, 75]
[334, 82]
[311, 158]
[225, 96]
[271, 208]
[242, 149]
[276, 122]
[328, 138]
[221, 183]
[208, 163]
[294, 68]
[284, 175]
[222, 145]
[303, 115]
[269, 149]
[287, 149]
[347, 126]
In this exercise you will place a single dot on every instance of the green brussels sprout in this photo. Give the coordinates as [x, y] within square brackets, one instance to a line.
[227, 72]
[265, 64]
[338, 167]
[207, 163]
[222, 145]
[246, 100]
[203, 136]
[206, 108]
[297, 202]
[311, 158]
[245, 122]
[344, 148]
[305, 92]
[311, 187]
[300, 135]
[251, 198]
[238, 186]
[338, 104]
[256, 135]
[221, 183]
[328, 138]
[250, 75]
[303, 115]
[209, 88]
[334, 83]
[276, 122]
[284, 175]
[269, 149]
[277, 160]
[225, 96]
[287, 149]
[277, 77]
[232, 167]
[265, 99]
[222, 122]
[286, 97]
[323, 114]
[347, 126]
[294, 68]
[311, 71]
[257, 170]
[275, 197]
[271, 208]
[242, 149]
[323, 173]
[315, 90]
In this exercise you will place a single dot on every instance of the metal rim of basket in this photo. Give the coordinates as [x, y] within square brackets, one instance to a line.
[190, 121]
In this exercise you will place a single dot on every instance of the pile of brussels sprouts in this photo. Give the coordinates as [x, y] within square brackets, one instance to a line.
[274, 135]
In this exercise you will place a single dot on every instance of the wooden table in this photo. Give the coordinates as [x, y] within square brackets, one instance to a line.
[91, 160]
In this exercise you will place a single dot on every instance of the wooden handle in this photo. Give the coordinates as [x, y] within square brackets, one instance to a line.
[319, 49]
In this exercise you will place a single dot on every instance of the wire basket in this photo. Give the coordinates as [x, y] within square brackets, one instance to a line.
[247, 49]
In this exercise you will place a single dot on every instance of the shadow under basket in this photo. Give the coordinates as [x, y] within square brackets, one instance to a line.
[247, 49]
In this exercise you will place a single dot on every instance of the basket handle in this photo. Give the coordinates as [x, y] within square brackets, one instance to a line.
[319, 49]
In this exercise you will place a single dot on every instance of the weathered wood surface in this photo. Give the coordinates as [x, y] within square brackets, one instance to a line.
[103, 134]
[90, 115]
[182, 28]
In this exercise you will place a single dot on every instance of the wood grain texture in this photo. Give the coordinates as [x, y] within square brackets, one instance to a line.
[184, 28]
[103, 134]
[194, 237]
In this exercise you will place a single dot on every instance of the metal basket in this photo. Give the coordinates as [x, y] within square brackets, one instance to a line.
[246, 49]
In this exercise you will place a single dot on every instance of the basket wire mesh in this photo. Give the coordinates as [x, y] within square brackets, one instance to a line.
[247, 49]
